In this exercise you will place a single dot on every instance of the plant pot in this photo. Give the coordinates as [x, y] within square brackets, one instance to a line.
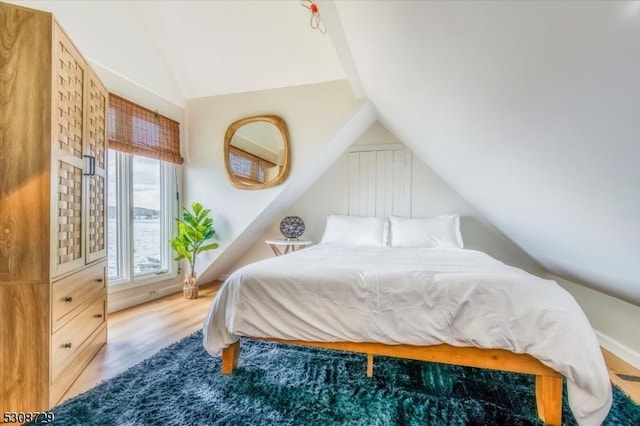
[190, 287]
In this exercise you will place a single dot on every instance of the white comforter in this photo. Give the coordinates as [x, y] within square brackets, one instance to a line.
[417, 297]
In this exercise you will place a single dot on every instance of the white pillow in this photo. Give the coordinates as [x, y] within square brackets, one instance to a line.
[437, 232]
[355, 231]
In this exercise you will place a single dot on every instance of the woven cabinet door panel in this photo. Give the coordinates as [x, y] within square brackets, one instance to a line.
[67, 156]
[96, 127]
[96, 221]
[96, 147]
[68, 96]
[68, 241]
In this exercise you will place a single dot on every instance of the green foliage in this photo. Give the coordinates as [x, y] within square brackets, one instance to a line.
[194, 229]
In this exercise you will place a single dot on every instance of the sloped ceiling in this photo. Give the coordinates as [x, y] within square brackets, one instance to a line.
[530, 110]
[221, 47]
[111, 34]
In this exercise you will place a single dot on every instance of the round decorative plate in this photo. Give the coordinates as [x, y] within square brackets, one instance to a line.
[292, 227]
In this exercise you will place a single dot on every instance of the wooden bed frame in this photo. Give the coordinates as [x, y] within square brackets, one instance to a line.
[548, 381]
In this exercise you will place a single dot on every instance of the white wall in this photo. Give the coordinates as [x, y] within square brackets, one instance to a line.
[313, 113]
[121, 85]
[327, 196]
[430, 197]
[615, 321]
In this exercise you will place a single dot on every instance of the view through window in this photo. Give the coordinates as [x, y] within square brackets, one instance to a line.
[146, 216]
[140, 217]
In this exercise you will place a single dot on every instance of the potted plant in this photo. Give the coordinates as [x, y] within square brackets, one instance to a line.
[194, 229]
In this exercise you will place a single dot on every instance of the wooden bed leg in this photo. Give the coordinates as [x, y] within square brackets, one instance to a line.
[369, 365]
[549, 399]
[230, 358]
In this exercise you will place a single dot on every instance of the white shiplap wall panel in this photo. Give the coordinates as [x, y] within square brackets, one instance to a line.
[364, 184]
[402, 183]
[370, 201]
[354, 183]
[384, 182]
[380, 182]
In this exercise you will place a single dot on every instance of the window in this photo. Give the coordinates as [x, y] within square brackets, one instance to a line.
[114, 220]
[144, 148]
[142, 205]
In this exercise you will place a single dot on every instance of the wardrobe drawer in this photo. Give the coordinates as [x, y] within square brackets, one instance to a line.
[73, 291]
[71, 372]
[67, 342]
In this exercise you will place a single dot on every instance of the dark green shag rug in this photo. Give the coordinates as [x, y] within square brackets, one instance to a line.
[289, 385]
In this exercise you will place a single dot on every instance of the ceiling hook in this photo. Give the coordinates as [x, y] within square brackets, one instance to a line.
[315, 22]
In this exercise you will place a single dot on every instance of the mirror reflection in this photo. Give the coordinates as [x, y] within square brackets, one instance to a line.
[257, 152]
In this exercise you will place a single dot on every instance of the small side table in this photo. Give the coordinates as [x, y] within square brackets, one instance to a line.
[289, 246]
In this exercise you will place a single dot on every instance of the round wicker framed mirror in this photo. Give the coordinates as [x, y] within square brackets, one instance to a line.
[256, 152]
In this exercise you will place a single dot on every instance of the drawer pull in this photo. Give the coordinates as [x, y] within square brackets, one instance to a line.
[66, 346]
[99, 280]
[68, 299]
[97, 316]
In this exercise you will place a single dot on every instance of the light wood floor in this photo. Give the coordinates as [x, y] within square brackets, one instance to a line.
[616, 365]
[137, 333]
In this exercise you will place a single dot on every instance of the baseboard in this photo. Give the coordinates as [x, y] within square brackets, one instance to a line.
[612, 320]
[620, 350]
[143, 296]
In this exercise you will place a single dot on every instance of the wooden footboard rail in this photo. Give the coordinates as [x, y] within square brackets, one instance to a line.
[548, 385]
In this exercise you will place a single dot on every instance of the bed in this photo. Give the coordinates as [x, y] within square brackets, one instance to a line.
[449, 305]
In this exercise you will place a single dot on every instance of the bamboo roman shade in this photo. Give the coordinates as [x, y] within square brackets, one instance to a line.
[140, 131]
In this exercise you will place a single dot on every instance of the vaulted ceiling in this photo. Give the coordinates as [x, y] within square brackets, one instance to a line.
[530, 110]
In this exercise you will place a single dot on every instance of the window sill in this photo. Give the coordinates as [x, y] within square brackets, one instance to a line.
[117, 286]
[128, 294]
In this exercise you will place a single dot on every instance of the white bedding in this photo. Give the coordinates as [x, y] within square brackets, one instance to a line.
[419, 297]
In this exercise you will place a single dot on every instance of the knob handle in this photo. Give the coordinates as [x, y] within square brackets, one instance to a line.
[99, 280]
[68, 299]
[67, 346]
[97, 316]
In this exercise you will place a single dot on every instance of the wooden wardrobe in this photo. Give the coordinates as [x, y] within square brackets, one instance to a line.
[53, 293]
